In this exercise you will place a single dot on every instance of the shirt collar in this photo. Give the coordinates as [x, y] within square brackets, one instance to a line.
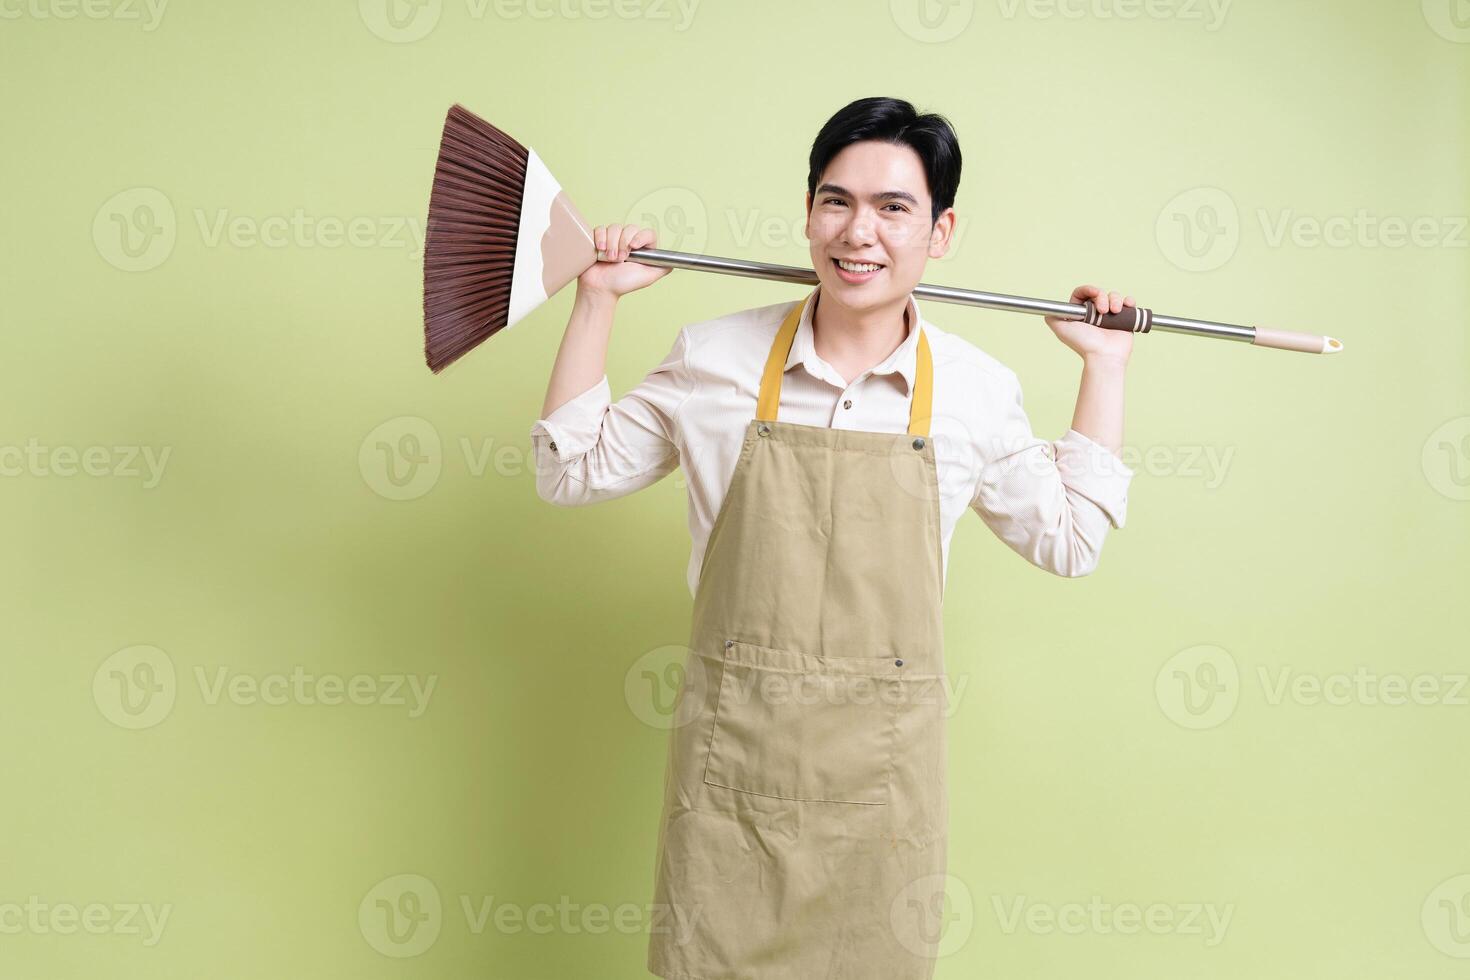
[902, 361]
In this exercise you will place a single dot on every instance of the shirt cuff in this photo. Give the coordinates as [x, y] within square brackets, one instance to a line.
[573, 428]
[1096, 472]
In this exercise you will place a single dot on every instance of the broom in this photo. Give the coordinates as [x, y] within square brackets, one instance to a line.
[503, 237]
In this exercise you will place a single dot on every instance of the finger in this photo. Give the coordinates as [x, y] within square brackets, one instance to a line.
[644, 238]
[632, 238]
[599, 239]
[1084, 292]
[625, 238]
[1128, 301]
[1115, 302]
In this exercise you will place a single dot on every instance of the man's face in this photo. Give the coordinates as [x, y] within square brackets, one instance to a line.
[872, 206]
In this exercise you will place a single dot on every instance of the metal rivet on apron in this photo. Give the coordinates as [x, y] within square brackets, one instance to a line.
[898, 663]
[763, 429]
[919, 443]
[729, 644]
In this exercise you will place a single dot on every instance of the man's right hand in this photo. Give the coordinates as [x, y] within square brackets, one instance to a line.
[613, 275]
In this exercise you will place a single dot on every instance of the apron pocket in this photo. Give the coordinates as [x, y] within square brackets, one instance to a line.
[800, 727]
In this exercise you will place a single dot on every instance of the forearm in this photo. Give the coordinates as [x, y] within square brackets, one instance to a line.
[1099, 411]
[581, 360]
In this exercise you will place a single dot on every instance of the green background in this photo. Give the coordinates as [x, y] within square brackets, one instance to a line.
[1331, 540]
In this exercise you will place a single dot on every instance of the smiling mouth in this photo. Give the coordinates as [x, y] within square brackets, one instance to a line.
[857, 268]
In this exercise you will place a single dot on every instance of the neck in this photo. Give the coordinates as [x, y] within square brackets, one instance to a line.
[852, 341]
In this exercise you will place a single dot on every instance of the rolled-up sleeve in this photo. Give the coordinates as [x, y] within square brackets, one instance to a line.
[593, 448]
[1052, 502]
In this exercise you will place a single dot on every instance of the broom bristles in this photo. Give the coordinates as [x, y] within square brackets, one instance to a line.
[470, 239]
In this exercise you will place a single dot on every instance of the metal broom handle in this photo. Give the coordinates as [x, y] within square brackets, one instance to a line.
[1138, 320]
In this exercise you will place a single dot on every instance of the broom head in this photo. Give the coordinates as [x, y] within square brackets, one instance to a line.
[502, 237]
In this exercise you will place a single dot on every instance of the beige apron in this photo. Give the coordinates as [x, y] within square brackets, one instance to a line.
[804, 823]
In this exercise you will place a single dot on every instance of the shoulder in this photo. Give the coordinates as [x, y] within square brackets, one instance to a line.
[732, 337]
[954, 355]
[740, 324]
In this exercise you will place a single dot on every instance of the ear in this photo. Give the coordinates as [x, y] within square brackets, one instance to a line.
[942, 234]
[806, 227]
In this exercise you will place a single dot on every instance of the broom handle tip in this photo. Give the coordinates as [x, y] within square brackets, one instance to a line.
[1307, 343]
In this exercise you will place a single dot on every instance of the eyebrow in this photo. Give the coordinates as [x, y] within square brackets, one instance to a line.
[881, 196]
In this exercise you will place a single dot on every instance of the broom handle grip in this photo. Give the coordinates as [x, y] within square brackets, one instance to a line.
[1134, 319]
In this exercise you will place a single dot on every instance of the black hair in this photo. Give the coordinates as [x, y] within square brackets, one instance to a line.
[893, 121]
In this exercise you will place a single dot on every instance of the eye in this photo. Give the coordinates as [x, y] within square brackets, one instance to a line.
[832, 200]
[899, 206]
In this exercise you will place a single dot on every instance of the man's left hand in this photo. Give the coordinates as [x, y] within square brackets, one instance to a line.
[1096, 342]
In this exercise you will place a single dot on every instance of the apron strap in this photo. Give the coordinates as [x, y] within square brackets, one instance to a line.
[768, 404]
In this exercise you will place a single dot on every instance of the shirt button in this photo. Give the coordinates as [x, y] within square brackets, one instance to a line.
[847, 403]
[898, 663]
[553, 445]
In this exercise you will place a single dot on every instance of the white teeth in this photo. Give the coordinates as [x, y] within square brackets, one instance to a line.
[858, 266]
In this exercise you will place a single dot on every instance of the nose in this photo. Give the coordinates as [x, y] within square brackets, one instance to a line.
[859, 229]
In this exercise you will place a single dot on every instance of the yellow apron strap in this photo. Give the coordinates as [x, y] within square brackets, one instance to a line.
[769, 401]
[921, 400]
[768, 404]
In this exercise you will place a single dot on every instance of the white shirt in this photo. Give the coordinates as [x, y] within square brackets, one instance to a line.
[1050, 501]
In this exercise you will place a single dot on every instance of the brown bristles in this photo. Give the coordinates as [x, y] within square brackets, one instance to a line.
[470, 241]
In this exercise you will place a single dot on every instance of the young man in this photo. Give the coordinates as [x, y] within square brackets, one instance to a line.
[830, 446]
